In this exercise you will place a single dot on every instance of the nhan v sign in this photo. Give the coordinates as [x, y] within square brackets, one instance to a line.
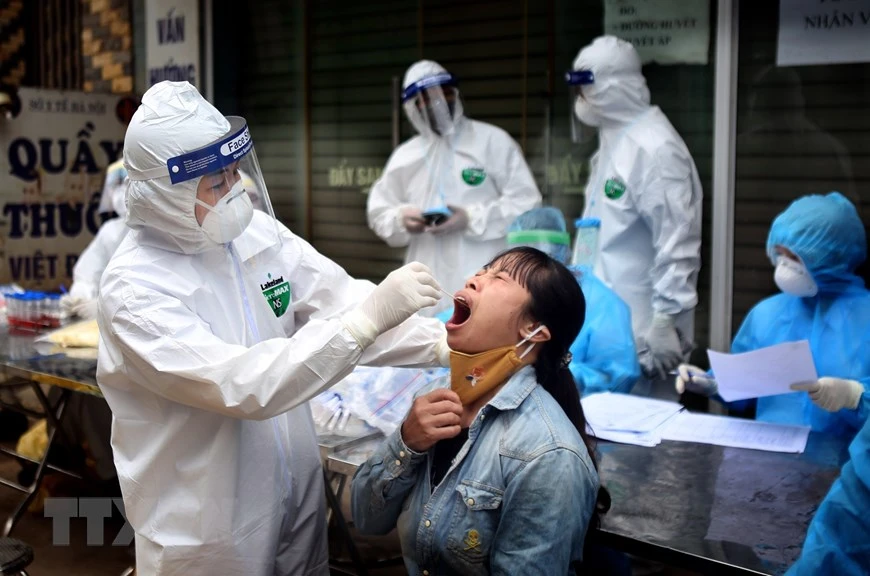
[823, 32]
[172, 41]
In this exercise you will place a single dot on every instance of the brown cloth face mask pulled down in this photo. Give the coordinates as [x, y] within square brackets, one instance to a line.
[473, 375]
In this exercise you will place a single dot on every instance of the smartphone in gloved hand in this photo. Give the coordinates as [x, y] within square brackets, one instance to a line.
[437, 216]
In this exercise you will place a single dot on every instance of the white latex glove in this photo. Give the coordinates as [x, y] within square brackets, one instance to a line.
[664, 344]
[832, 394]
[397, 298]
[85, 309]
[68, 303]
[695, 380]
[457, 222]
[412, 219]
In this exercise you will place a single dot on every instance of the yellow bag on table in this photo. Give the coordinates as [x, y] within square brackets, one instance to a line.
[78, 335]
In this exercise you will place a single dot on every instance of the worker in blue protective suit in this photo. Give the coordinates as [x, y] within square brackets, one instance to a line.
[838, 540]
[603, 357]
[816, 245]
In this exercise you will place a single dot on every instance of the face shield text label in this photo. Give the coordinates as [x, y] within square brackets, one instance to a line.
[237, 144]
[210, 158]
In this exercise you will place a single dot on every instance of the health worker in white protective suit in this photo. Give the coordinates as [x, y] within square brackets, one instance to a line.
[644, 187]
[450, 192]
[82, 298]
[217, 326]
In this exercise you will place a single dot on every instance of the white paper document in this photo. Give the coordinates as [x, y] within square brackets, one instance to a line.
[627, 419]
[646, 439]
[763, 372]
[736, 433]
[627, 413]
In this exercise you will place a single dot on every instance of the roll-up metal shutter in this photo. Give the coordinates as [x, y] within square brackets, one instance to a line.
[800, 130]
[356, 50]
[258, 64]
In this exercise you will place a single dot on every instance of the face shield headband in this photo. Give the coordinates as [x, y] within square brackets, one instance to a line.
[443, 79]
[553, 243]
[209, 159]
[579, 77]
[538, 237]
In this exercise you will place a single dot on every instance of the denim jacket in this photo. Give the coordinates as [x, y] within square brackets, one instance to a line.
[517, 499]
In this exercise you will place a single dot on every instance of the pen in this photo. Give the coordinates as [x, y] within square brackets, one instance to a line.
[677, 373]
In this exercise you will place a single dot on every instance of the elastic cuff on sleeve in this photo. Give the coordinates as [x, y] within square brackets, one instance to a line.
[400, 219]
[442, 352]
[476, 226]
[360, 327]
[660, 319]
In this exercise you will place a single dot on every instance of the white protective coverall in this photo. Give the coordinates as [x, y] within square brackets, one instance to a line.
[212, 434]
[90, 265]
[82, 297]
[645, 189]
[477, 167]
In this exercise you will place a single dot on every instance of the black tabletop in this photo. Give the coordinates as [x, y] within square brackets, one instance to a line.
[715, 509]
[74, 368]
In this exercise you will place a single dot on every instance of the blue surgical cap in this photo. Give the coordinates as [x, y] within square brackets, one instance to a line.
[543, 228]
[827, 234]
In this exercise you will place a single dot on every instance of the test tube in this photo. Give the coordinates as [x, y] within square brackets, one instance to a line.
[52, 310]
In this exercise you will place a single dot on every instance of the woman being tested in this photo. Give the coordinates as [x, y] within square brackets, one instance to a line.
[217, 326]
[480, 476]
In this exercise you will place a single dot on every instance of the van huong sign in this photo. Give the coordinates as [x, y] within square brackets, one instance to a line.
[172, 41]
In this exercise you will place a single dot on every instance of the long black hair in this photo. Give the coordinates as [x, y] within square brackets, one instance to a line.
[557, 302]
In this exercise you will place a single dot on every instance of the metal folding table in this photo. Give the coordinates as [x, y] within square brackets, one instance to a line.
[24, 363]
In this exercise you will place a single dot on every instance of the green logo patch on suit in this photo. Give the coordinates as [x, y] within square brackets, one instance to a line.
[614, 188]
[474, 176]
[277, 293]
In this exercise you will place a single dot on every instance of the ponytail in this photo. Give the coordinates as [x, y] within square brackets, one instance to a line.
[558, 381]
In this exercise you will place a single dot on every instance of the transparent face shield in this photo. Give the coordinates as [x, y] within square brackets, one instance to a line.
[229, 191]
[553, 243]
[114, 190]
[433, 104]
[578, 79]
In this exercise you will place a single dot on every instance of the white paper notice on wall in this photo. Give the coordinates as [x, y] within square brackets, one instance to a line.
[823, 32]
[663, 31]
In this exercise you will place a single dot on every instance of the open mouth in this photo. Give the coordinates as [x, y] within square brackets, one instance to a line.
[461, 313]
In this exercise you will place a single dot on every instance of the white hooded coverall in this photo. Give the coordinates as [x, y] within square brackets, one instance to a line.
[212, 435]
[645, 189]
[430, 171]
[93, 260]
